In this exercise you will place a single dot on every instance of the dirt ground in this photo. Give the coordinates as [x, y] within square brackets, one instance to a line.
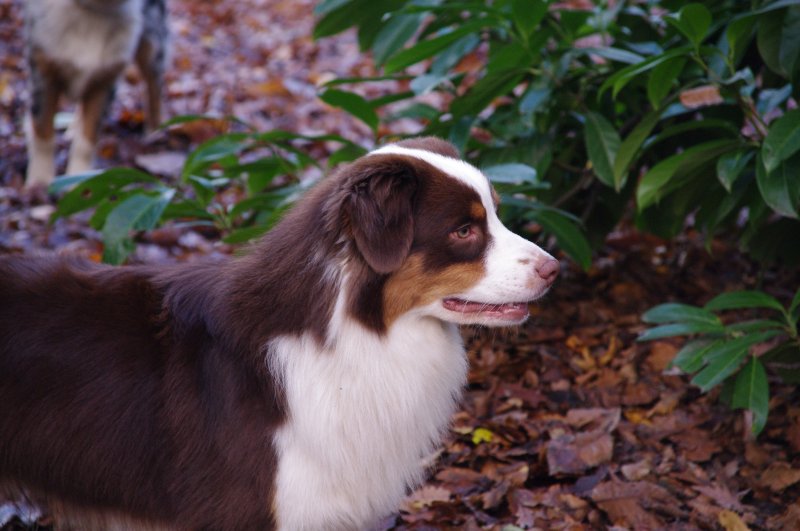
[568, 422]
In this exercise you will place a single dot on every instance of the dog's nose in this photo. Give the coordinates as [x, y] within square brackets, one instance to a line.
[548, 270]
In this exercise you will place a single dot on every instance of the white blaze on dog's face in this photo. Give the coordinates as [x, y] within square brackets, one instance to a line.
[466, 268]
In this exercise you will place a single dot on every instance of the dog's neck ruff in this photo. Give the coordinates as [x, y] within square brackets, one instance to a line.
[385, 399]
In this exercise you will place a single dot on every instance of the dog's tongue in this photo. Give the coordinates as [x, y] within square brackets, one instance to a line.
[514, 310]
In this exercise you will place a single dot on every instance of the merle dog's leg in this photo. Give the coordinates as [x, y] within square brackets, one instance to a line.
[93, 104]
[151, 58]
[45, 89]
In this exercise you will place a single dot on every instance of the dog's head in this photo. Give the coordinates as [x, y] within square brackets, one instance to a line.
[425, 223]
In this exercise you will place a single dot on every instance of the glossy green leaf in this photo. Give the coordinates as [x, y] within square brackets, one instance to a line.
[680, 329]
[630, 147]
[615, 54]
[338, 16]
[679, 313]
[662, 78]
[569, 236]
[751, 392]
[778, 39]
[527, 14]
[450, 56]
[794, 307]
[779, 188]
[731, 165]
[726, 359]
[397, 31]
[625, 75]
[737, 300]
[215, 150]
[755, 325]
[691, 357]
[602, 144]
[511, 173]
[137, 212]
[353, 104]
[534, 99]
[92, 188]
[485, 91]
[693, 21]
[652, 185]
[739, 34]
[430, 47]
[783, 140]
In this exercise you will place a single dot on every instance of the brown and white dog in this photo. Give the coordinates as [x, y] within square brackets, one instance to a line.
[301, 386]
[78, 49]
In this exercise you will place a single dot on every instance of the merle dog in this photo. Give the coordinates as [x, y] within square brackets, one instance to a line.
[78, 49]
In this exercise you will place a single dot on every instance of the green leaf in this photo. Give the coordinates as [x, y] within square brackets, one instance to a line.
[430, 47]
[527, 14]
[680, 329]
[65, 182]
[756, 325]
[794, 307]
[214, 150]
[725, 359]
[625, 75]
[691, 357]
[693, 21]
[137, 212]
[731, 165]
[397, 31]
[737, 300]
[630, 146]
[778, 40]
[779, 188]
[602, 144]
[338, 16]
[450, 56]
[661, 79]
[511, 173]
[485, 91]
[679, 313]
[108, 204]
[92, 188]
[783, 140]
[751, 392]
[353, 104]
[655, 182]
[739, 34]
[614, 54]
[568, 235]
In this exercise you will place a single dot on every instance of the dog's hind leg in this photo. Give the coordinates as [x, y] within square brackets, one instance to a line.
[151, 58]
[39, 128]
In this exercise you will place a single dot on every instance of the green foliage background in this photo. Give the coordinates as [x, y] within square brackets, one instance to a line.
[675, 115]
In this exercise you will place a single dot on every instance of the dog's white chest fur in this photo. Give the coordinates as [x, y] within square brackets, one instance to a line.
[87, 42]
[362, 417]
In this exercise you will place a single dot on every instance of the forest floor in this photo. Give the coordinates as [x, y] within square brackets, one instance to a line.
[568, 422]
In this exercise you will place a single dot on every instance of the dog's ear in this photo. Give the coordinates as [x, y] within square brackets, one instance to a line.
[379, 207]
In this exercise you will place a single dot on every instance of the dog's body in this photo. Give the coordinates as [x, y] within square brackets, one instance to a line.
[301, 386]
[78, 49]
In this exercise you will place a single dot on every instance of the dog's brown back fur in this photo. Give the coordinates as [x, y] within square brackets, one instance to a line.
[79, 343]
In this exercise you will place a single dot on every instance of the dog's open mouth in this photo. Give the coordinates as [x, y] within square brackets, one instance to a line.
[510, 311]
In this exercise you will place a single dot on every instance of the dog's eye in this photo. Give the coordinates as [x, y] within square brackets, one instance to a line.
[463, 231]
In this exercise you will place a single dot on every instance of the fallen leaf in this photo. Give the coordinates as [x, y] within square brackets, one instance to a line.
[721, 495]
[700, 97]
[424, 497]
[779, 476]
[731, 521]
[622, 502]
